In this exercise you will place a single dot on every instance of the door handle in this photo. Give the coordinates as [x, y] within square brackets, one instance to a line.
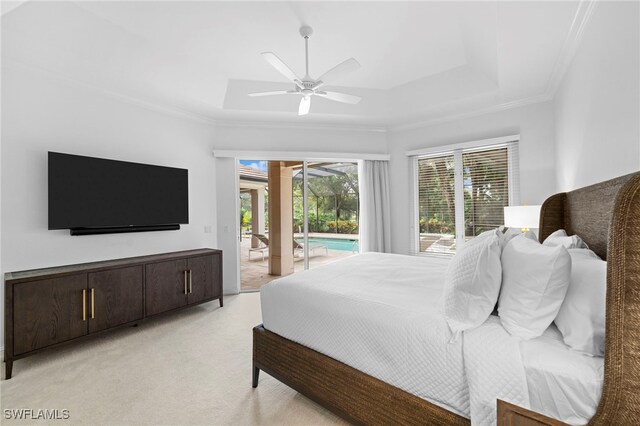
[93, 303]
[190, 281]
[185, 280]
[84, 304]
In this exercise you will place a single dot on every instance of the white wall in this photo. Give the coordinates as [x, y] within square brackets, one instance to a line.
[41, 113]
[534, 123]
[598, 102]
[311, 138]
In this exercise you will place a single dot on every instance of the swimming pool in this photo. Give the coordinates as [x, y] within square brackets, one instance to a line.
[335, 243]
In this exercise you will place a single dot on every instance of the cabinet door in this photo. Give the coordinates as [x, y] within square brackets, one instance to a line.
[203, 278]
[165, 286]
[115, 297]
[46, 312]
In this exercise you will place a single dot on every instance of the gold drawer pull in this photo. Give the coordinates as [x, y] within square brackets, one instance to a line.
[93, 303]
[185, 281]
[84, 304]
[190, 281]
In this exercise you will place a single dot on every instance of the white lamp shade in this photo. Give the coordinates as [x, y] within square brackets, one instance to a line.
[522, 216]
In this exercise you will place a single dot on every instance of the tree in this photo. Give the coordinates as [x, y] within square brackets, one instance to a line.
[436, 197]
[337, 191]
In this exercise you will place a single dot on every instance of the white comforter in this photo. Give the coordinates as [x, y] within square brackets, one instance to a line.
[381, 314]
[371, 313]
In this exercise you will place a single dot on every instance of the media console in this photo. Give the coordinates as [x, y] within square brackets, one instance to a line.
[46, 308]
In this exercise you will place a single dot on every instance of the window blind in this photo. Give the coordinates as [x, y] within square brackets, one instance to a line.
[486, 190]
[462, 193]
[436, 203]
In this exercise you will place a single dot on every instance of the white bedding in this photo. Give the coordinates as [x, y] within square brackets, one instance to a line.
[494, 370]
[563, 383]
[382, 314]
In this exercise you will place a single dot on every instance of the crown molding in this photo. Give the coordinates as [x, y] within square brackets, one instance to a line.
[572, 42]
[175, 111]
[10, 6]
[469, 114]
[163, 108]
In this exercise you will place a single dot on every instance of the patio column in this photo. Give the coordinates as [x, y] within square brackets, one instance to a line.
[257, 214]
[280, 218]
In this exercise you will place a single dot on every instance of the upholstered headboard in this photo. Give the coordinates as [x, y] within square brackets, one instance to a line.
[586, 212]
[607, 217]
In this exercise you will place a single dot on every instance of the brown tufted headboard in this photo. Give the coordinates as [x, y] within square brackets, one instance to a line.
[607, 217]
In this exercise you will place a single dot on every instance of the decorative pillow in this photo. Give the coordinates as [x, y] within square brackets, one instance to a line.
[472, 283]
[560, 238]
[508, 234]
[583, 253]
[535, 279]
[581, 317]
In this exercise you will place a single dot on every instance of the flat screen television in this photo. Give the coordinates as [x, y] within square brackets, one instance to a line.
[94, 195]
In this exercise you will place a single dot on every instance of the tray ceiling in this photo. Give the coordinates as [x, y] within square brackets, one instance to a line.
[420, 60]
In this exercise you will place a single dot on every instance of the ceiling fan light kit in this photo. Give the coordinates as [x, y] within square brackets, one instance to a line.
[307, 86]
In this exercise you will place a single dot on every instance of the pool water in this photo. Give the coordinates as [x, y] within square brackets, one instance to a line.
[336, 243]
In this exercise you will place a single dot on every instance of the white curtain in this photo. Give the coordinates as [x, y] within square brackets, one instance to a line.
[375, 223]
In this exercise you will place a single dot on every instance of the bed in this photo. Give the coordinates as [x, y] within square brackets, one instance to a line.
[392, 388]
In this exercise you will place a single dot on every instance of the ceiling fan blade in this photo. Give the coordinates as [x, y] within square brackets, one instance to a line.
[281, 67]
[277, 92]
[336, 72]
[340, 97]
[305, 104]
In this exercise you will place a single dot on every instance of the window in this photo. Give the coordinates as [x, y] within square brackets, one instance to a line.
[461, 192]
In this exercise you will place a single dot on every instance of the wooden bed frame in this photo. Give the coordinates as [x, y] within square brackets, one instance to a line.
[607, 218]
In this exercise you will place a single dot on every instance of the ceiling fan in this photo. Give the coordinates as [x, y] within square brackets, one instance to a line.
[307, 86]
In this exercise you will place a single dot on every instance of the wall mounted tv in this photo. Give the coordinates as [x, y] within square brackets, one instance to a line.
[98, 196]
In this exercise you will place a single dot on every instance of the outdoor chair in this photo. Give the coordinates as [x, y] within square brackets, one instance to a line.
[262, 248]
[298, 248]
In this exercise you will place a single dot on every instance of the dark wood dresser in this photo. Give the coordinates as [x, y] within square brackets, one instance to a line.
[45, 308]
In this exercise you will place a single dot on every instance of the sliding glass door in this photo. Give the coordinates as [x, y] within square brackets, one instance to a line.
[333, 211]
[308, 217]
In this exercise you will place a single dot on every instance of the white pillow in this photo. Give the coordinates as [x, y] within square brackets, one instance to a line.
[581, 317]
[535, 279]
[506, 235]
[510, 233]
[472, 283]
[560, 238]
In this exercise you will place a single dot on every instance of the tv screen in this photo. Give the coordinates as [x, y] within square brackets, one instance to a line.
[86, 192]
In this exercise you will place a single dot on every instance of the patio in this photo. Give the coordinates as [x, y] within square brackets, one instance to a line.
[254, 273]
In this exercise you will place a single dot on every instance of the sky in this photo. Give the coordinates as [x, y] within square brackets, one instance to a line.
[256, 164]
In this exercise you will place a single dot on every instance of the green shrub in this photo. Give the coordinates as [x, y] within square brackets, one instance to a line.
[344, 227]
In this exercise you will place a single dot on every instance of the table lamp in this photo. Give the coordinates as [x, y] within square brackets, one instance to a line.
[523, 217]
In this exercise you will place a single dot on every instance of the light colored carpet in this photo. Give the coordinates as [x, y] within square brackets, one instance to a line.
[191, 367]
